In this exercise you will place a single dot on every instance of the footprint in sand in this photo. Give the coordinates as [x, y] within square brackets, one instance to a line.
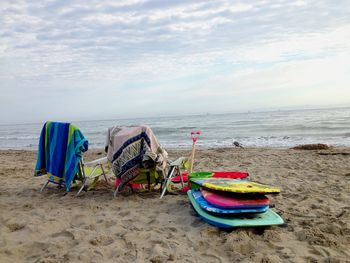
[110, 223]
[78, 220]
[124, 213]
[65, 238]
[36, 250]
[153, 222]
[286, 252]
[157, 254]
[28, 206]
[15, 226]
[64, 233]
[210, 258]
[197, 223]
[102, 240]
[128, 223]
[171, 229]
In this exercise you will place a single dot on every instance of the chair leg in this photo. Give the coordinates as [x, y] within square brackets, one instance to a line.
[166, 177]
[164, 188]
[43, 187]
[167, 181]
[116, 191]
[104, 174]
[181, 179]
[82, 187]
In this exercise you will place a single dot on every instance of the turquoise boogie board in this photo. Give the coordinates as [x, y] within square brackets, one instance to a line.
[264, 219]
[197, 195]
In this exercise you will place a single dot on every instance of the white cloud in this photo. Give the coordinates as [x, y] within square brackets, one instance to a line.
[170, 49]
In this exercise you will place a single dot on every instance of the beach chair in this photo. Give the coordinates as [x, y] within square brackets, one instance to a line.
[92, 171]
[146, 180]
[136, 157]
[148, 177]
[175, 168]
[60, 156]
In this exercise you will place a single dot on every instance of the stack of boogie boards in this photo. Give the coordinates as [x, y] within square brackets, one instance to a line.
[228, 203]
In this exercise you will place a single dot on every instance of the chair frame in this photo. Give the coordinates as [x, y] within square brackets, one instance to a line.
[95, 164]
[174, 167]
[118, 189]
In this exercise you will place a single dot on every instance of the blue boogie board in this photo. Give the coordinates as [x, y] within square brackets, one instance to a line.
[267, 218]
[197, 195]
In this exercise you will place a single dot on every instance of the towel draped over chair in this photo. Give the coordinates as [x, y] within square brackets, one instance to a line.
[132, 148]
[60, 149]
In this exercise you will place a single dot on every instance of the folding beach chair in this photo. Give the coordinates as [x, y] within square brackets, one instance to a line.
[175, 168]
[146, 179]
[92, 171]
[136, 157]
[60, 156]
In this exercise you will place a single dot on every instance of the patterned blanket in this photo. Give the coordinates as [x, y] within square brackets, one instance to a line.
[132, 148]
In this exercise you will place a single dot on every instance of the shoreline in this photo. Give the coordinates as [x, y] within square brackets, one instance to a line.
[95, 227]
[204, 148]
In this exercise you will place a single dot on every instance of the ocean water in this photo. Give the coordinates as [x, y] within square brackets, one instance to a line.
[279, 129]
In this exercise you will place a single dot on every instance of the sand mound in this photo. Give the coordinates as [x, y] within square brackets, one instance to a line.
[318, 146]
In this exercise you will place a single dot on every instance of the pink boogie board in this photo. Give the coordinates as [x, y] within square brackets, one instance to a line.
[229, 201]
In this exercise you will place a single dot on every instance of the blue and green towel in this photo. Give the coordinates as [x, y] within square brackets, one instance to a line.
[60, 149]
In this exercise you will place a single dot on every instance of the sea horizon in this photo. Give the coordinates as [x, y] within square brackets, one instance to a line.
[274, 128]
[262, 110]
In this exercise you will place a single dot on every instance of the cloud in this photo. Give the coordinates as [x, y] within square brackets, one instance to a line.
[167, 48]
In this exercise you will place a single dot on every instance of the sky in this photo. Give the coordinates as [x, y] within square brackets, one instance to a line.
[84, 60]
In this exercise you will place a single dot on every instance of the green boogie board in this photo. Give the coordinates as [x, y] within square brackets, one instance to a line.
[263, 219]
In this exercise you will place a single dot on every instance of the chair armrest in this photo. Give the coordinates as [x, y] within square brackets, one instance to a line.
[178, 162]
[102, 160]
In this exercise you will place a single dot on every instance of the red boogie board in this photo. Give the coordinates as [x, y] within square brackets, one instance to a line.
[233, 175]
[229, 201]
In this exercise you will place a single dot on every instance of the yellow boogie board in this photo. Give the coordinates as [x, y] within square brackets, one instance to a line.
[234, 185]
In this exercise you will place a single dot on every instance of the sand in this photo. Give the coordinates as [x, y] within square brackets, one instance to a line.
[52, 227]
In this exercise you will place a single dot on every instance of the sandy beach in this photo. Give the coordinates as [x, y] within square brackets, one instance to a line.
[94, 227]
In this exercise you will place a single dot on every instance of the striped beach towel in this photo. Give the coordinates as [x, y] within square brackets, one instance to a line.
[60, 149]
